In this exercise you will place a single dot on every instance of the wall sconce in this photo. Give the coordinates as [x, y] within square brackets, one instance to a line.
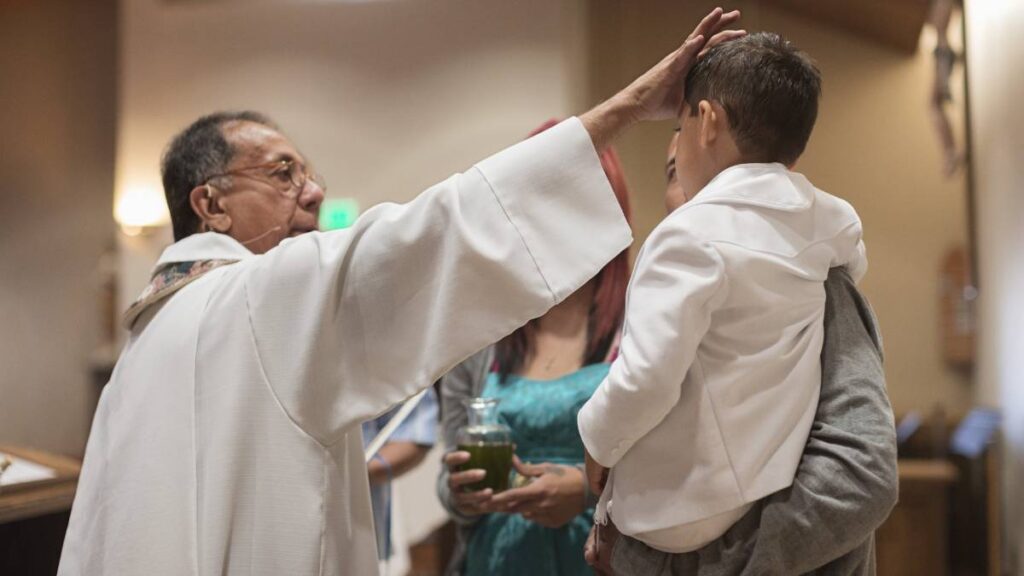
[139, 209]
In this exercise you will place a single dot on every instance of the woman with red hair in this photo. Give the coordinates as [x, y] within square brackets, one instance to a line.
[542, 374]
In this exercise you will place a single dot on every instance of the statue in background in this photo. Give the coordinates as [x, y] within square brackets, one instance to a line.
[939, 17]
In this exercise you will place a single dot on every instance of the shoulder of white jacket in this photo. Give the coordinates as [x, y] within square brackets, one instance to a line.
[684, 230]
[839, 208]
[700, 222]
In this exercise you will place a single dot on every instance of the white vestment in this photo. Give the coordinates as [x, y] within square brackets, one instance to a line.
[708, 406]
[228, 439]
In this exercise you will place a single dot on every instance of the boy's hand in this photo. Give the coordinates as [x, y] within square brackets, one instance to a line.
[598, 549]
[597, 475]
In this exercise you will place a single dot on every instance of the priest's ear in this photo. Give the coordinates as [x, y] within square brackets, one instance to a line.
[206, 203]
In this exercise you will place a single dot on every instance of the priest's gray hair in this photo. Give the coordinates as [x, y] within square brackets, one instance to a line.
[193, 157]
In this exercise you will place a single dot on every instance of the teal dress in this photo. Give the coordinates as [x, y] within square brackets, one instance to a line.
[542, 416]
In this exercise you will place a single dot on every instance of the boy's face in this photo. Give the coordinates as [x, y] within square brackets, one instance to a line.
[704, 147]
[674, 197]
[692, 162]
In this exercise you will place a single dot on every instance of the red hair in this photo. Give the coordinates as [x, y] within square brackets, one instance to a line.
[609, 306]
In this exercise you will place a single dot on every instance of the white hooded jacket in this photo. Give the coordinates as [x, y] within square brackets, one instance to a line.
[709, 404]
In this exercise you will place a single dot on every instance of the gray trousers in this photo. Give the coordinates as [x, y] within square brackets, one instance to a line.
[631, 557]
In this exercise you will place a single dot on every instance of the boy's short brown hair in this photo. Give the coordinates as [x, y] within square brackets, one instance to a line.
[769, 90]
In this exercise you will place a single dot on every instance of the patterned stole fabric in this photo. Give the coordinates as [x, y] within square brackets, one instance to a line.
[167, 280]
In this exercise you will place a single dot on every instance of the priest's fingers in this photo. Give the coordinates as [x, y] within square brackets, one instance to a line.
[728, 19]
[656, 94]
[721, 37]
[716, 21]
[707, 24]
[698, 42]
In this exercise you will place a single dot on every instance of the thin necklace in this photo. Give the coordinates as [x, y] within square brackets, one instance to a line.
[551, 360]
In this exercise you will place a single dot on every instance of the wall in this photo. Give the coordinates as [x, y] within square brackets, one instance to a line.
[57, 100]
[872, 145]
[995, 50]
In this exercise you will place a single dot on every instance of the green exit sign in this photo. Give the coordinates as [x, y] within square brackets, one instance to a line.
[338, 213]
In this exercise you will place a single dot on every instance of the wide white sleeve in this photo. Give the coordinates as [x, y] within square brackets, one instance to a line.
[677, 284]
[348, 323]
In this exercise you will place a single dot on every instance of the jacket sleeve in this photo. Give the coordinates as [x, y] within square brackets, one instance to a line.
[847, 482]
[857, 266]
[678, 282]
[350, 322]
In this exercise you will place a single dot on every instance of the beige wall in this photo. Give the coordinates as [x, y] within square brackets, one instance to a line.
[873, 145]
[995, 51]
[56, 176]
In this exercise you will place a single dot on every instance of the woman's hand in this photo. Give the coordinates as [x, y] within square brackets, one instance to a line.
[555, 495]
[467, 503]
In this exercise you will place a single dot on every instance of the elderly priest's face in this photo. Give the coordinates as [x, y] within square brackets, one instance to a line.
[267, 193]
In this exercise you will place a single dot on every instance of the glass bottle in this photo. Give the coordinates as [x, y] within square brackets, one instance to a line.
[489, 443]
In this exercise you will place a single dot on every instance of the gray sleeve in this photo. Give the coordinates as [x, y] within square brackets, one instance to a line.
[464, 381]
[846, 483]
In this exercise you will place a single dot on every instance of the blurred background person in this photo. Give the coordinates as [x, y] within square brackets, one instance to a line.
[405, 449]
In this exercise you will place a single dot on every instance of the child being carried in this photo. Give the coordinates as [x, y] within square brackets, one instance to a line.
[708, 407]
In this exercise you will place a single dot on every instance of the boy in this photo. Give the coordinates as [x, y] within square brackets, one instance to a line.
[709, 404]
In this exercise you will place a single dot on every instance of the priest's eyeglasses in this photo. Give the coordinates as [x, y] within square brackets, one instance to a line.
[288, 176]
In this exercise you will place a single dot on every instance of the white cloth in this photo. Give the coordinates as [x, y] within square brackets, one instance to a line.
[693, 535]
[709, 404]
[228, 439]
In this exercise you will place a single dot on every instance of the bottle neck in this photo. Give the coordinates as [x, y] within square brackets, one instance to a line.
[483, 412]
